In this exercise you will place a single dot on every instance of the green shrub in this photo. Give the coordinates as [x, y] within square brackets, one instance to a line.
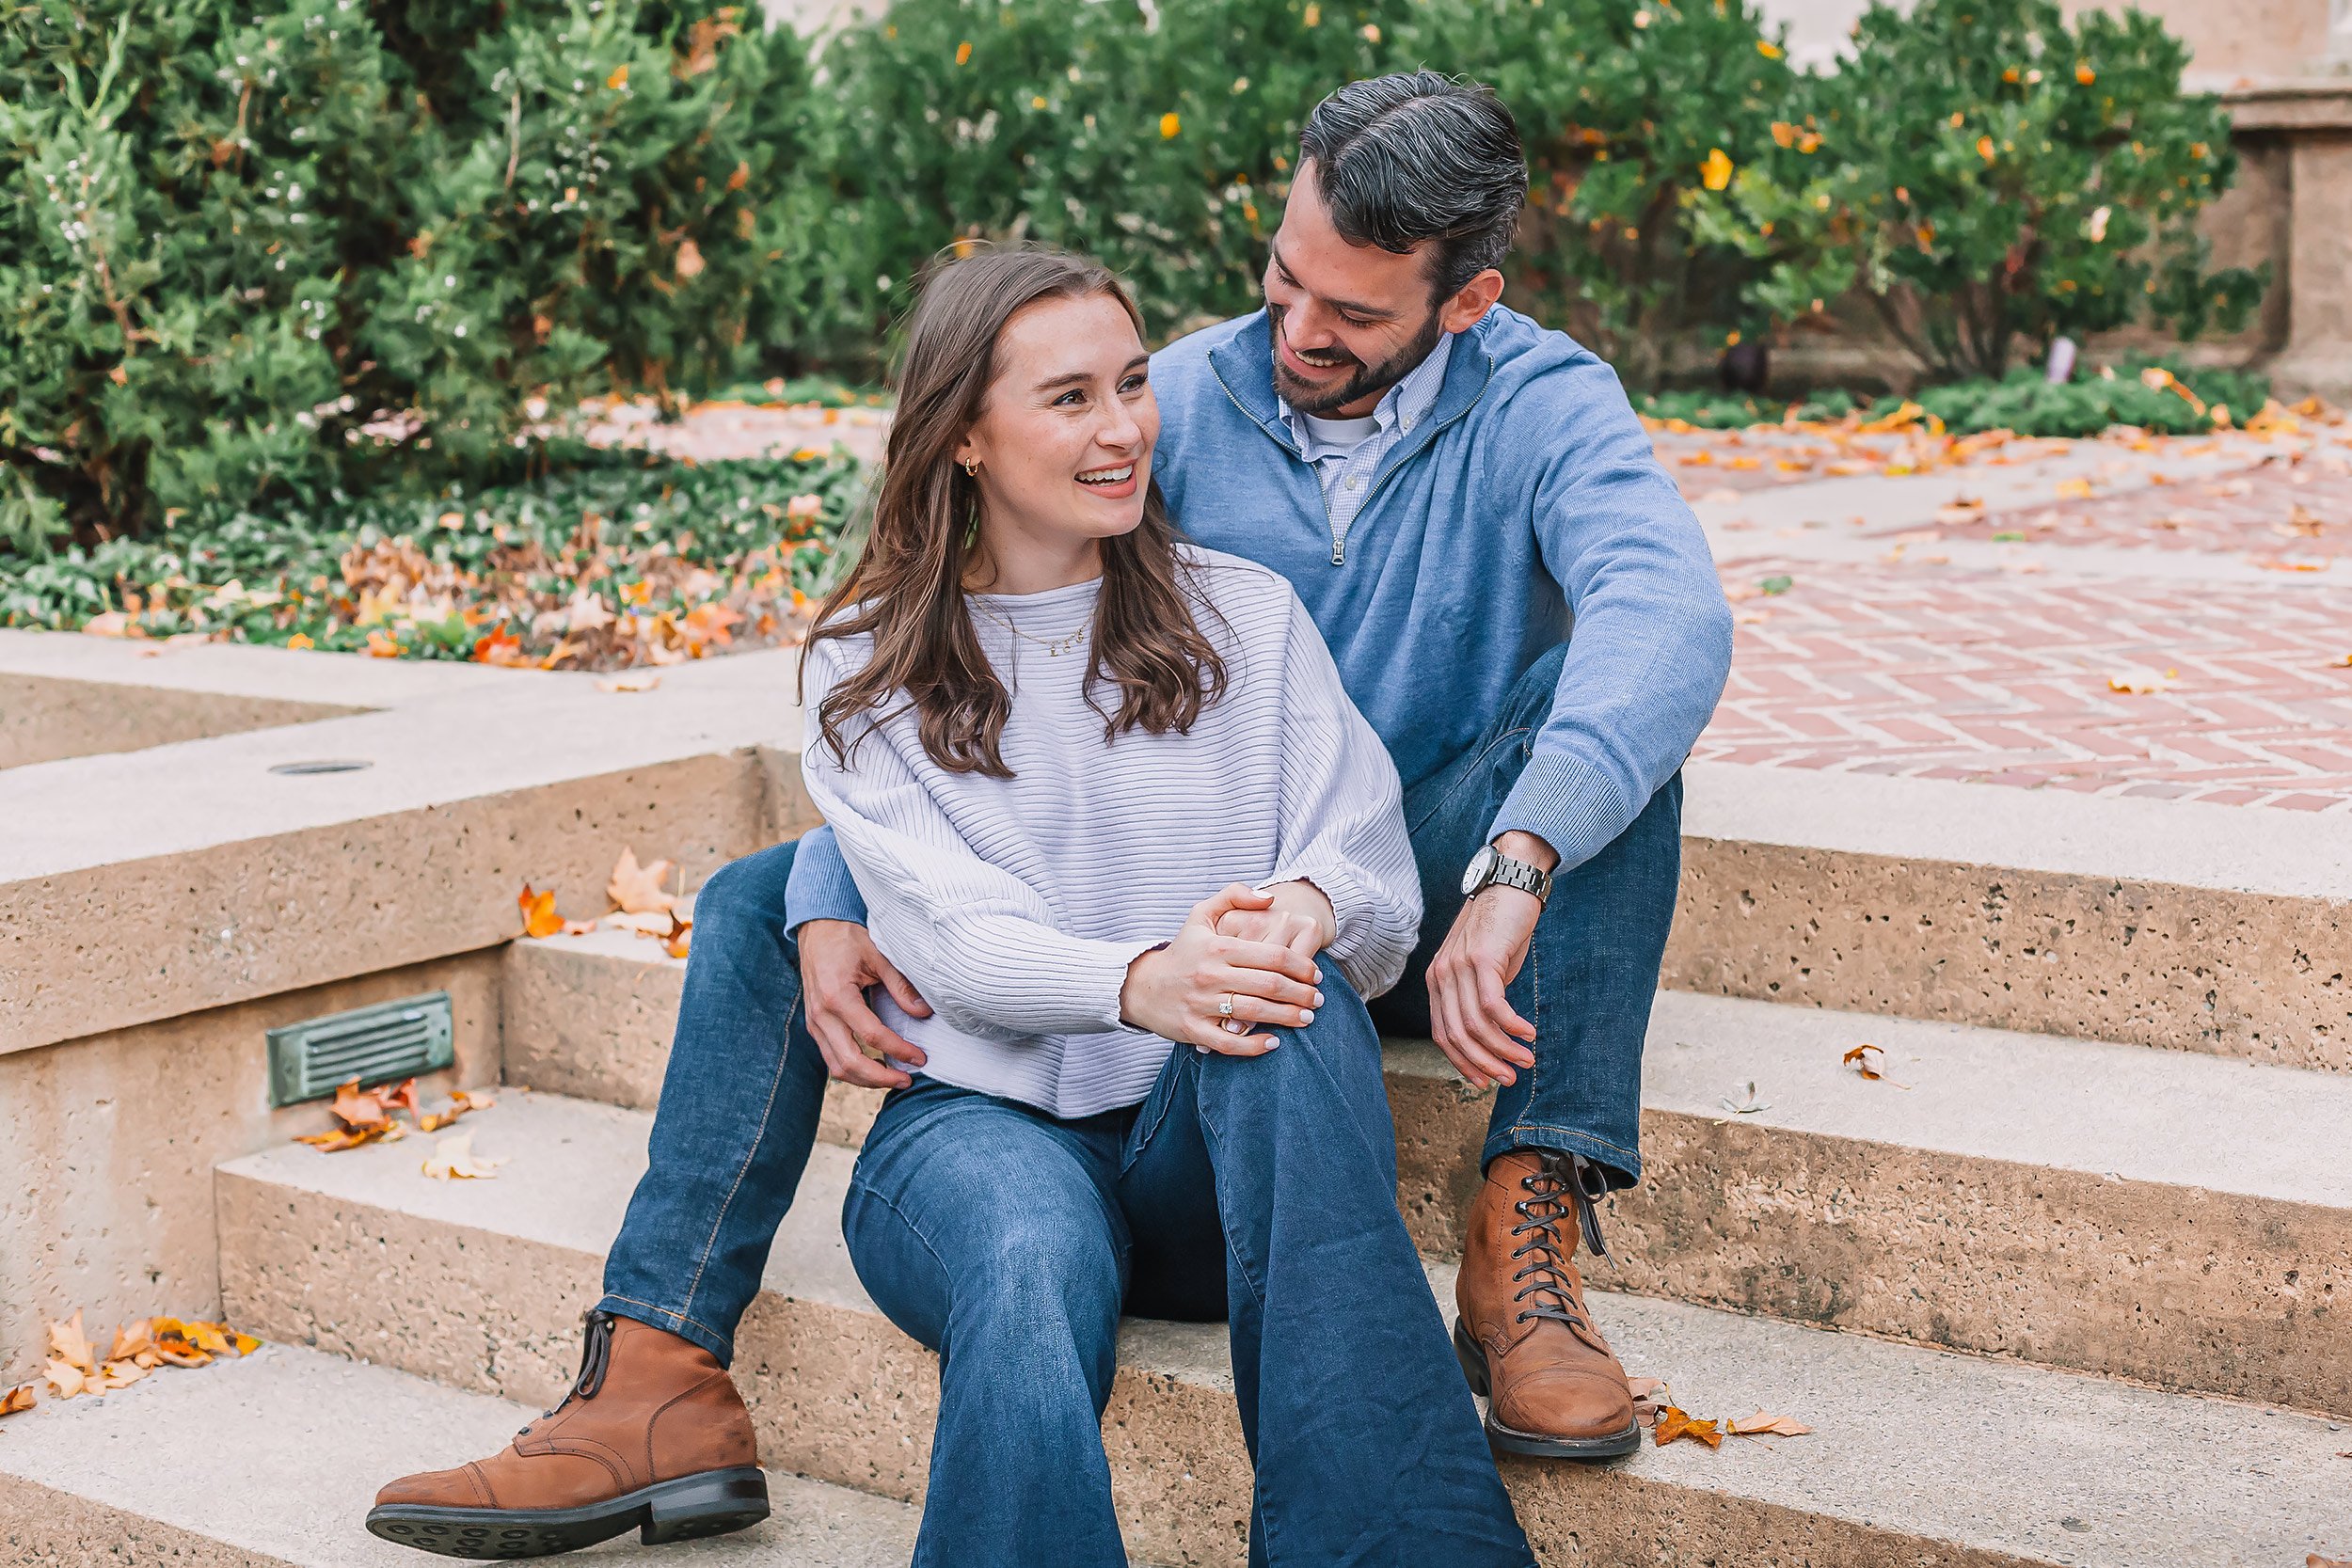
[1629, 108]
[2152, 396]
[1988, 178]
[1163, 147]
[285, 255]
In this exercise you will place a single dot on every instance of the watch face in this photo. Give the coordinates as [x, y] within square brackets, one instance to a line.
[1477, 872]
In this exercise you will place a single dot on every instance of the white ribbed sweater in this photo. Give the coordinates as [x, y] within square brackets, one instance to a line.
[1015, 905]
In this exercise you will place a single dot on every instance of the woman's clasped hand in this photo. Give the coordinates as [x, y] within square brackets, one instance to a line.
[1244, 957]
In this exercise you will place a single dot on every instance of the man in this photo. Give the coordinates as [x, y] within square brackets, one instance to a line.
[1524, 608]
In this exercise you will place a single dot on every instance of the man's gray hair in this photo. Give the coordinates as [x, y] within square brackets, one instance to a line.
[1420, 156]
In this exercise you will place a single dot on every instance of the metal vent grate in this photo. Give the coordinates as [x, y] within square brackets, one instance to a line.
[376, 1045]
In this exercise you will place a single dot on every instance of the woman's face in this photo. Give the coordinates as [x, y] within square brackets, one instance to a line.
[1064, 438]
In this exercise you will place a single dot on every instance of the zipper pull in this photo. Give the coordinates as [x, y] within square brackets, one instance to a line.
[1339, 553]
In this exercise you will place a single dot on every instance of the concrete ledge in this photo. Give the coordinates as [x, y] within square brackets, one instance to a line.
[44, 719]
[2166, 1216]
[271, 1462]
[2168, 924]
[483, 1283]
[2307, 104]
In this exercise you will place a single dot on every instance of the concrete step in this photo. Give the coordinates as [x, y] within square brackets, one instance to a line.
[1919, 1456]
[271, 1462]
[2174, 923]
[2169, 1216]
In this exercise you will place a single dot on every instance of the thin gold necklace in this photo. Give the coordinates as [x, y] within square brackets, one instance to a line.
[1054, 648]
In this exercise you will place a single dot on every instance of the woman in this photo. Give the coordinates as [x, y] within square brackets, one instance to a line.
[1046, 736]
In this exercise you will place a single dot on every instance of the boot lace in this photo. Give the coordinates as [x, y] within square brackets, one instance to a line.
[596, 1355]
[1558, 1189]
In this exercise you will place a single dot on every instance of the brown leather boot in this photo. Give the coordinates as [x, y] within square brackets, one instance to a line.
[1551, 1386]
[652, 1435]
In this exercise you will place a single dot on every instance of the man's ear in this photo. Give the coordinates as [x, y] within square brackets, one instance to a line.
[1471, 302]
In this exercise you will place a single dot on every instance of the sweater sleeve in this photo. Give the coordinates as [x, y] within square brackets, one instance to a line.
[1342, 817]
[821, 886]
[980, 944]
[1651, 647]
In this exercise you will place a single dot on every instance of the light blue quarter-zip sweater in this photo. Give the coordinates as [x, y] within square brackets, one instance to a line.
[1525, 509]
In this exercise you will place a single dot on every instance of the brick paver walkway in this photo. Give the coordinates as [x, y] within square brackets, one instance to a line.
[1968, 611]
[2137, 632]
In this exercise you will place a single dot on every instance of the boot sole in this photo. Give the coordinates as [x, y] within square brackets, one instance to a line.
[713, 1503]
[1615, 1445]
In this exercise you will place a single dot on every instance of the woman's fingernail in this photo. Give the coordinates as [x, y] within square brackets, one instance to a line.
[1305, 1018]
[1318, 998]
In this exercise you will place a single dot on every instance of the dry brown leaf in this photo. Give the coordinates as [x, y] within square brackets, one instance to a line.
[2302, 520]
[400, 1096]
[1674, 1422]
[134, 1342]
[454, 1157]
[16, 1399]
[2073, 489]
[1650, 1397]
[67, 1380]
[2316, 1561]
[1859, 1059]
[636, 889]
[121, 1374]
[2140, 681]
[460, 1102]
[70, 1343]
[630, 683]
[1764, 1425]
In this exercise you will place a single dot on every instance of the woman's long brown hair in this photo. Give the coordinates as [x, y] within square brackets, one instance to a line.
[907, 588]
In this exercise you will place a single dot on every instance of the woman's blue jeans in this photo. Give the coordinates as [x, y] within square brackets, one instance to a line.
[1260, 1190]
[745, 1083]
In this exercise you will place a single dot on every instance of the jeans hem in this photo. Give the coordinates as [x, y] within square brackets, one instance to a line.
[685, 1328]
[1622, 1166]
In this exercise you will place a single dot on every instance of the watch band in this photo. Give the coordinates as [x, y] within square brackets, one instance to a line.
[1519, 873]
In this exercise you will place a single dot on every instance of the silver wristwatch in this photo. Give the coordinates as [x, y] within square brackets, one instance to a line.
[1491, 866]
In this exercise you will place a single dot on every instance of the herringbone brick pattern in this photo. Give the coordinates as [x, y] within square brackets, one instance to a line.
[2290, 515]
[1987, 675]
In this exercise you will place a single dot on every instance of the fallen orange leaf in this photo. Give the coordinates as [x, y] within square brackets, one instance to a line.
[1763, 1425]
[1674, 1422]
[2139, 682]
[67, 1380]
[433, 1121]
[630, 683]
[539, 917]
[1859, 1059]
[636, 889]
[17, 1399]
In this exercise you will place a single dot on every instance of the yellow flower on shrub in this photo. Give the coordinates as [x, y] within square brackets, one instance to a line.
[963, 52]
[1766, 48]
[1715, 173]
[1314, 17]
[2083, 73]
[619, 78]
[1372, 32]
[1169, 125]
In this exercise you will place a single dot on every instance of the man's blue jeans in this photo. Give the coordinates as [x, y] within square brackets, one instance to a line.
[1259, 1190]
[745, 1083]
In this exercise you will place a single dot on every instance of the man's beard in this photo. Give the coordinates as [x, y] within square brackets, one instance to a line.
[1368, 380]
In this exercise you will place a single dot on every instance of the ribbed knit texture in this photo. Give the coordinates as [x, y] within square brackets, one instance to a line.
[1016, 905]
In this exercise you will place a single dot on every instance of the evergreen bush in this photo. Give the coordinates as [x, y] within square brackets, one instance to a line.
[294, 254]
[1989, 177]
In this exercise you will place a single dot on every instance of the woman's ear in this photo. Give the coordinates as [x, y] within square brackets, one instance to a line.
[966, 453]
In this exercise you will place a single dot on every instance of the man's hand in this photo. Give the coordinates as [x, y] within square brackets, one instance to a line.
[838, 961]
[1174, 990]
[1297, 917]
[1477, 1029]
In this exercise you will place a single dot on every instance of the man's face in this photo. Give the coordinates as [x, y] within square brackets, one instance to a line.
[1349, 320]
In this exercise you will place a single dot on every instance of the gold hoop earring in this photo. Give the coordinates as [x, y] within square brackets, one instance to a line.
[972, 469]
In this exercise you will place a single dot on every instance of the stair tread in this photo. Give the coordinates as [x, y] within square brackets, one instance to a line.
[2178, 1117]
[278, 1456]
[1995, 1454]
